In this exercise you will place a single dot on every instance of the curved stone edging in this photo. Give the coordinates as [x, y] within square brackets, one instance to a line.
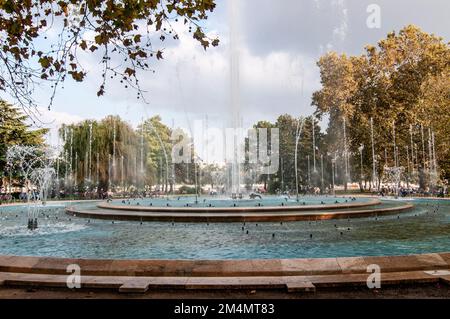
[225, 268]
[260, 209]
[233, 217]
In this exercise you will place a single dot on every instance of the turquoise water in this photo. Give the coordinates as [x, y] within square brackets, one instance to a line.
[424, 229]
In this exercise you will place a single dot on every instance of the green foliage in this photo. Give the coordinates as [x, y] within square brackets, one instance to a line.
[15, 131]
[402, 82]
[125, 156]
[284, 179]
[125, 147]
[186, 190]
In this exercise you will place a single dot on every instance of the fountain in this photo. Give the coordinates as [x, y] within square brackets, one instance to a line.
[298, 132]
[321, 177]
[36, 167]
[234, 95]
[314, 143]
[374, 169]
[346, 163]
[42, 178]
[393, 174]
[113, 164]
[90, 154]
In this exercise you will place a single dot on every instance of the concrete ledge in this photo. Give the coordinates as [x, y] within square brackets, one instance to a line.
[233, 216]
[223, 268]
[302, 286]
[291, 284]
[293, 275]
[135, 285]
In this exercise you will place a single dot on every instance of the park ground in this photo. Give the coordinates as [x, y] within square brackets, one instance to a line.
[434, 291]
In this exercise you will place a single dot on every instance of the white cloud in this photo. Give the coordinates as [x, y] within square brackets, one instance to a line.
[280, 43]
[53, 121]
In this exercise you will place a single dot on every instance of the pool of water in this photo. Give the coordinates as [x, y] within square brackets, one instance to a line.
[424, 229]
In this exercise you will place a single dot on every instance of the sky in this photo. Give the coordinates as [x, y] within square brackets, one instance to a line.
[278, 44]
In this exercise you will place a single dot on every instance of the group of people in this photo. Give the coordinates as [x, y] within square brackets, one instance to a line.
[4, 198]
[403, 191]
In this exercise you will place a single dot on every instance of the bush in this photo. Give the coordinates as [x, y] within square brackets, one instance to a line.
[186, 190]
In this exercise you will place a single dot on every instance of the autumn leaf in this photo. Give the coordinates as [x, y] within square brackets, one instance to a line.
[130, 71]
[83, 45]
[77, 75]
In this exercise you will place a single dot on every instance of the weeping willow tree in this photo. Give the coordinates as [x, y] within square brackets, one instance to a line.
[111, 155]
[157, 137]
[99, 154]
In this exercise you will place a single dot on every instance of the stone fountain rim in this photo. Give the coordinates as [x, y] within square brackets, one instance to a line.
[232, 216]
[244, 209]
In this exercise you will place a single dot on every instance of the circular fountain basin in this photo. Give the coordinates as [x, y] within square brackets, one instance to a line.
[424, 228]
[270, 209]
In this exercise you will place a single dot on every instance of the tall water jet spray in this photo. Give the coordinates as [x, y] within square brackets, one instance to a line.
[122, 175]
[314, 143]
[430, 153]
[109, 171]
[394, 173]
[434, 154]
[345, 154]
[58, 159]
[395, 145]
[412, 145]
[423, 146]
[97, 177]
[333, 172]
[234, 92]
[373, 154]
[90, 153]
[431, 159]
[75, 173]
[321, 169]
[360, 149]
[163, 147]
[114, 151]
[309, 170]
[408, 175]
[298, 132]
[142, 154]
[71, 155]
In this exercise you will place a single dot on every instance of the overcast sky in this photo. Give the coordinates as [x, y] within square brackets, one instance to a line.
[279, 43]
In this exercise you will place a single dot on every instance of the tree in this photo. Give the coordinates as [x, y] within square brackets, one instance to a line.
[391, 84]
[103, 154]
[436, 100]
[157, 136]
[15, 131]
[121, 34]
[265, 178]
[285, 179]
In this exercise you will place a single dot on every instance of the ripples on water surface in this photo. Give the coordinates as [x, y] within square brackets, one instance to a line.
[424, 229]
